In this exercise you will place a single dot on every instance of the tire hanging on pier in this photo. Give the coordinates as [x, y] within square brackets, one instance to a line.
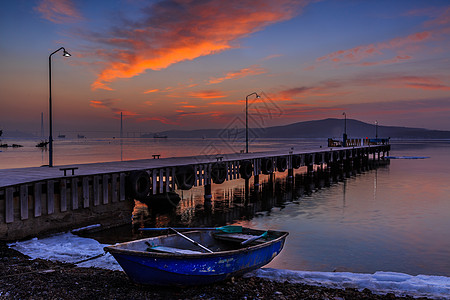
[218, 173]
[296, 161]
[138, 184]
[246, 169]
[281, 164]
[185, 177]
[266, 166]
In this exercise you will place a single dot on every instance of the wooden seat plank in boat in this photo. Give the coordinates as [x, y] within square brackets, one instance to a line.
[237, 237]
[164, 249]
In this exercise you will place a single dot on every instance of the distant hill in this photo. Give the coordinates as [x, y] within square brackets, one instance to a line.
[316, 129]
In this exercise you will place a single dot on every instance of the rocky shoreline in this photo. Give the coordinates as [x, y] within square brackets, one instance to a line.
[22, 278]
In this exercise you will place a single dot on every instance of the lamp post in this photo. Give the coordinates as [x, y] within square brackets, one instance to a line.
[345, 130]
[376, 129]
[50, 138]
[246, 119]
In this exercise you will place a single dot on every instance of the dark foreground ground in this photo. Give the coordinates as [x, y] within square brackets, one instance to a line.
[21, 278]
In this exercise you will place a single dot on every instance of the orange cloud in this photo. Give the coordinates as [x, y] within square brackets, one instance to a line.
[252, 70]
[190, 106]
[105, 103]
[125, 113]
[151, 91]
[208, 94]
[175, 31]
[224, 103]
[59, 11]
[159, 119]
[110, 104]
[205, 113]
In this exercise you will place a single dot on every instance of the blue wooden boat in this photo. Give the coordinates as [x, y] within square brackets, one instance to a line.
[197, 257]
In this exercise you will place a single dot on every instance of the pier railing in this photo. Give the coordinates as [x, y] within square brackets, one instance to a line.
[356, 142]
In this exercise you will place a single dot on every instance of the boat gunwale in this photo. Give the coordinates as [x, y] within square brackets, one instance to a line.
[114, 249]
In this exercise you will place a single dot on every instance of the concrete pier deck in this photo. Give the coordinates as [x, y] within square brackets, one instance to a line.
[9, 177]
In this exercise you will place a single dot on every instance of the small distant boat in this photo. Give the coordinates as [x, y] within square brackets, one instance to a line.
[62, 136]
[42, 144]
[81, 136]
[201, 256]
[158, 136]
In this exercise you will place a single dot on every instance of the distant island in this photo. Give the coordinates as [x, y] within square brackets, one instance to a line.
[327, 128]
[321, 129]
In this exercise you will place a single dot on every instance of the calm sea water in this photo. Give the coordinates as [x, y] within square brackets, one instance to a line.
[391, 218]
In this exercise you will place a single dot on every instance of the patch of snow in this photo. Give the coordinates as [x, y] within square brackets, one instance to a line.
[400, 284]
[407, 157]
[67, 247]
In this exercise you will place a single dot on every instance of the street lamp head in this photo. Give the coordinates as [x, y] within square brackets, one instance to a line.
[258, 96]
[65, 53]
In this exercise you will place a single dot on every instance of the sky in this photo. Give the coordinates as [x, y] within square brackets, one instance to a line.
[186, 64]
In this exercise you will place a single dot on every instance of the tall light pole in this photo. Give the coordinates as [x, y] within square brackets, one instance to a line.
[50, 138]
[246, 119]
[345, 130]
[376, 129]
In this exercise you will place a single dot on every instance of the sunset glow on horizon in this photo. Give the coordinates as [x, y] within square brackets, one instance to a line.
[186, 64]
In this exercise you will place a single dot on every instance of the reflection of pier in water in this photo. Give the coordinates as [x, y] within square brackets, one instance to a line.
[243, 199]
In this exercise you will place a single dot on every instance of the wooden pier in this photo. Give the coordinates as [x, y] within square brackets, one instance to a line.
[42, 199]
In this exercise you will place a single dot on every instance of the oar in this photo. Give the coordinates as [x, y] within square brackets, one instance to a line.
[254, 238]
[226, 229]
[90, 258]
[191, 240]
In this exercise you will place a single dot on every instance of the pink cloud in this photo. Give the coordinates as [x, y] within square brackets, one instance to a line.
[396, 59]
[362, 52]
[272, 56]
[252, 70]
[442, 19]
[59, 11]
[420, 82]
[436, 28]
[326, 88]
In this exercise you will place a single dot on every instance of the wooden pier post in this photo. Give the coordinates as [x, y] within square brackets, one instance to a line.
[256, 180]
[208, 193]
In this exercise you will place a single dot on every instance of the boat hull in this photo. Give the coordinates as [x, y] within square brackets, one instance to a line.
[195, 269]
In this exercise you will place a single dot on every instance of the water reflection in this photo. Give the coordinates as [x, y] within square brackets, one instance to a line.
[237, 200]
